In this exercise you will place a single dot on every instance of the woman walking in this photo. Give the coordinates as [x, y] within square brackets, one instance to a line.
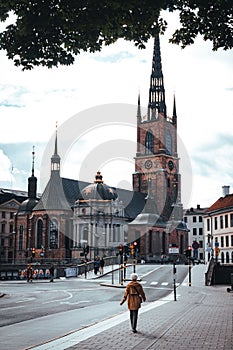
[134, 294]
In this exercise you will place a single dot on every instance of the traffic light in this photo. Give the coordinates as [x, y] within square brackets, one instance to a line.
[33, 252]
[131, 249]
[188, 252]
[121, 249]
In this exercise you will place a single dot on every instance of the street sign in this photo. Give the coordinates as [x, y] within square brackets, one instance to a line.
[173, 250]
[195, 245]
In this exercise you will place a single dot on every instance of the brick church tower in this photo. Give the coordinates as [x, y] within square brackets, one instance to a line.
[159, 226]
[156, 161]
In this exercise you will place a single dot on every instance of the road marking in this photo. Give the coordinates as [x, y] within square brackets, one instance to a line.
[70, 295]
[164, 284]
[11, 307]
[25, 299]
[154, 283]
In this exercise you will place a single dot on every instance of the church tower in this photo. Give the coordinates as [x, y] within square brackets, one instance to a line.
[156, 162]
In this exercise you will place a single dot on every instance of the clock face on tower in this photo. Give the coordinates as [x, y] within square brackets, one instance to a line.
[148, 164]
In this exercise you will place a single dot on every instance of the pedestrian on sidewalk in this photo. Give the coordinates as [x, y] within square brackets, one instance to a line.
[134, 294]
[52, 273]
[96, 265]
[102, 263]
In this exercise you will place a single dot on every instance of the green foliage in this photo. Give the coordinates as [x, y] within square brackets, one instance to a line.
[49, 33]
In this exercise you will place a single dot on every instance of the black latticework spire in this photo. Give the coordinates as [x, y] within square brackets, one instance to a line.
[156, 103]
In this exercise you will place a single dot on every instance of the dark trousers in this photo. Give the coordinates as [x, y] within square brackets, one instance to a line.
[133, 318]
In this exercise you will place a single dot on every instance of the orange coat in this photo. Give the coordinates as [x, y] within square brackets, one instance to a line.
[132, 296]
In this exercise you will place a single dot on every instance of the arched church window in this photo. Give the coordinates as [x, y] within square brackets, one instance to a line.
[39, 233]
[21, 237]
[168, 143]
[164, 243]
[53, 234]
[149, 146]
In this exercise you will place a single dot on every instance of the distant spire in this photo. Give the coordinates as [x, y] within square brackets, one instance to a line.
[156, 103]
[55, 150]
[174, 115]
[138, 124]
[55, 160]
[139, 106]
[32, 180]
[33, 160]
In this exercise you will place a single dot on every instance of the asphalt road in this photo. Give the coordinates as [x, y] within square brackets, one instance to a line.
[32, 313]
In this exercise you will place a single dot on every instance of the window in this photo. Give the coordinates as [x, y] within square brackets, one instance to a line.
[201, 244]
[200, 218]
[194, 231]
[227, 258]
[3, 214]
[222, 241]
[168, 143]
[194, 219]
[226, 221]
[185, 219]
[53, 235]
[11, 228]
[39, 234]
[21, 237]
[227, 241]
[208, 224]
[157, 243]
[3, 228]
[164, 244]
[149, 146]
[221, 221]
[215, 223]
[232, 240]
[150, 241]
[200, 231]
[231, 219]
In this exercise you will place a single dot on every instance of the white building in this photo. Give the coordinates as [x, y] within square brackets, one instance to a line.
[219, 229]
[194, 218]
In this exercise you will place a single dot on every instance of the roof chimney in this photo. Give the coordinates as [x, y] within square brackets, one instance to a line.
[225, 190]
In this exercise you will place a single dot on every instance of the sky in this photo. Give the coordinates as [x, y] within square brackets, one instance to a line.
[94, 104]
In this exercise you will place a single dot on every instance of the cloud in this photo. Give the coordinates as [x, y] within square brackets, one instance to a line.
[5, 173]
[16, 164]
[12, 95]
[122, 55]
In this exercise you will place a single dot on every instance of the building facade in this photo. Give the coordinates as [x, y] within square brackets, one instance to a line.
[219, 229]
[194, 218]
[10, 201]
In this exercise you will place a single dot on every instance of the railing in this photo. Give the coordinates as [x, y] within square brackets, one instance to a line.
[18, 271]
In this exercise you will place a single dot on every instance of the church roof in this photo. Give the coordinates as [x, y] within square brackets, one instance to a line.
[7, 195]
[53, 197]
[99, 190]
[148, 219]
[27, 205]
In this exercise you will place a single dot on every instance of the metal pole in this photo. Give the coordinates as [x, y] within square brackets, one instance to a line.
[112, 275]
[174, 280]
[190, 282]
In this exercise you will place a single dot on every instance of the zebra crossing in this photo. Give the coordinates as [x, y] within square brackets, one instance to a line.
[161, 284]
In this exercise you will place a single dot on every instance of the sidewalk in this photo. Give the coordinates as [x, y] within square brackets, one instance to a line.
[201, 318]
